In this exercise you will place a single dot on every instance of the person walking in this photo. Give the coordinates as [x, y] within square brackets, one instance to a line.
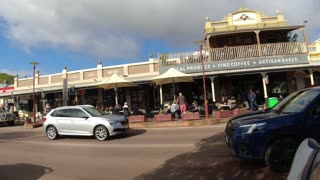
[252, 99]
[181, 100]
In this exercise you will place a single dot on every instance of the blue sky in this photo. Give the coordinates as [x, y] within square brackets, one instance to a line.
[58, 33]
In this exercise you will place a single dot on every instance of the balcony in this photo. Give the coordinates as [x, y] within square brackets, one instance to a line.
[236, 52]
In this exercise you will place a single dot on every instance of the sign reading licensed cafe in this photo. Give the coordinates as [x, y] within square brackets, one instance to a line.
[239, 64]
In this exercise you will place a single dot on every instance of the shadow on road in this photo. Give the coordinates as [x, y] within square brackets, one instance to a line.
[22, 171]
[212, 159]
[131, 133]
[136, 132]
[16, 135]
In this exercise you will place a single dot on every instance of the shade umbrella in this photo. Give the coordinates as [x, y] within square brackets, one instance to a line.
[171, 76]
[115, 82]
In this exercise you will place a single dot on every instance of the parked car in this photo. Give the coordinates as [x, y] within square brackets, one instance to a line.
[7, 117]
[274, 135]
[83, 120]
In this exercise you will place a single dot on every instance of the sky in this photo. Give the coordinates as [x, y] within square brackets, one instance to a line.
[77, 33]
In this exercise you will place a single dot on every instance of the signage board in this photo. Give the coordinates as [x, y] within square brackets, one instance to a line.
[234, 64]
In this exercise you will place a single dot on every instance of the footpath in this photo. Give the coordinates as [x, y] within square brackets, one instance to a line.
[179, 123]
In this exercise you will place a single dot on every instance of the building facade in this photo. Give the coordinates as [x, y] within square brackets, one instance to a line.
[246, 50]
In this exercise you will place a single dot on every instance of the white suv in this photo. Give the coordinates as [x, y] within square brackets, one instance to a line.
[83, 120]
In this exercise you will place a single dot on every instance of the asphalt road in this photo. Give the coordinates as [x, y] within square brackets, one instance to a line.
[163, 153]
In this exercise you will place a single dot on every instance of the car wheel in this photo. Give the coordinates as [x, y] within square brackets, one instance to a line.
[101, 133]
[52, 133]
[280, 154]
[11, 123]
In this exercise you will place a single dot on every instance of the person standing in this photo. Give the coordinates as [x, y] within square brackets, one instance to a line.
[252, 99]
[181, 100]
[125, 109]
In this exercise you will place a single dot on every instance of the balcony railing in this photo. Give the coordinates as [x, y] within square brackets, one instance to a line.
[237, 52]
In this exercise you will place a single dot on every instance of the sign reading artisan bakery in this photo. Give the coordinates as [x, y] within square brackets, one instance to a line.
[239, 64]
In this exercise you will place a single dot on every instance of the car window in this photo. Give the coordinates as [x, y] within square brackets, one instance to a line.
[94, 112]
[78, 113]
[296, 102]
[299, 102]
[315, 111]
[61, 113]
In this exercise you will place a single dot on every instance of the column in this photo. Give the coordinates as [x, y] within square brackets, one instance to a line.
[161, 96]
[212, 89]
[37, 76]
[265, 81]
[16, 79]
[99, 70]
[311, 77]
[258, 41]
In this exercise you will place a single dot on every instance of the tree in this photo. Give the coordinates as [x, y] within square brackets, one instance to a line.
[292, 37]
[6, 78]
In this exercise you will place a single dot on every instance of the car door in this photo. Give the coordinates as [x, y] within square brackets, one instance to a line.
[313, 123]
[81, 124]
[63, 121]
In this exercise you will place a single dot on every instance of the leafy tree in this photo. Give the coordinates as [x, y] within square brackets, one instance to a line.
[292, 37]
[6, 77]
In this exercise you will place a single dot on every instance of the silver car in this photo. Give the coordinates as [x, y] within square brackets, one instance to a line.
[83, 120]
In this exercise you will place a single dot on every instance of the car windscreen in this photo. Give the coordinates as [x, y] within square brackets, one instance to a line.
[94, 112]
[296, 102]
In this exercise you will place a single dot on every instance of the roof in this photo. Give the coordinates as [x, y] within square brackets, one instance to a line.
[76, 106]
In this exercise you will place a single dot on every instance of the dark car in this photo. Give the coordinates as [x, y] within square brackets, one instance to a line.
[273, 135]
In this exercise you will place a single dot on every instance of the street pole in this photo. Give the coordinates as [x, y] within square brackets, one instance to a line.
[204, 85]
[33, 91]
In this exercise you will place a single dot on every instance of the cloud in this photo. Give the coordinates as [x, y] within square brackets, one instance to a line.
[118, 28]
[21, 73]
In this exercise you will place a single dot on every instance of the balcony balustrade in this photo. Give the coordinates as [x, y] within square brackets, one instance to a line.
[236, 52]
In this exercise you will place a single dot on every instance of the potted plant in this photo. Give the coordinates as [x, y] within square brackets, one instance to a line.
[190, 115]
[137, 118]
[222, 113]
[162, 117]
[239, 111]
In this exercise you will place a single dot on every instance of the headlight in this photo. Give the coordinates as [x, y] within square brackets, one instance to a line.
[114, 122]
[249, 128]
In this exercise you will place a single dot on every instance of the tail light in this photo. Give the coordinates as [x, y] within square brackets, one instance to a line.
[44, 119]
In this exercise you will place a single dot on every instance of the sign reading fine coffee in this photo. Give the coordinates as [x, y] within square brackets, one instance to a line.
[238, 64]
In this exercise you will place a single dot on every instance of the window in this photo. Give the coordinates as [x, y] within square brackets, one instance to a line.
[315, 111]
[296, 102]
[77, 113]
[61, 113]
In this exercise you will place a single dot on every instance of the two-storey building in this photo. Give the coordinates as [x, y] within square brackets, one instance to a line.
[246, 50]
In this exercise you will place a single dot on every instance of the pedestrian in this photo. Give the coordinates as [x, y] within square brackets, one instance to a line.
[125, 109]
[281, 97]
[195, 106]
[181, 100]
[252, 99]
[175, 110]
[47, 109]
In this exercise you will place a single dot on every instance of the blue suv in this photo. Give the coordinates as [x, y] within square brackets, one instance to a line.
[274, 135]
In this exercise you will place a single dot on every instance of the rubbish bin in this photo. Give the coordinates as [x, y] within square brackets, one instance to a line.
[272, 101]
